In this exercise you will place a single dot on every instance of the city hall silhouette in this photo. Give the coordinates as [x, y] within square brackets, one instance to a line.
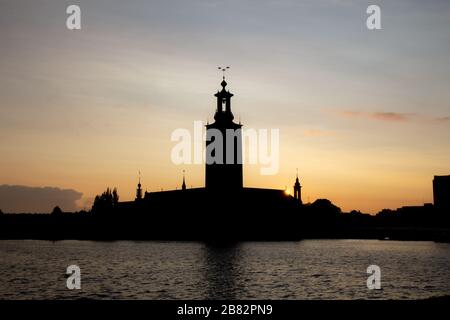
[225, 211]
[224, 206]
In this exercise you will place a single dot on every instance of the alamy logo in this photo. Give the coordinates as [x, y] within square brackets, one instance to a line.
[73, 21]
[226, 147]
[374, 280]
[74, 278]
[373, 22]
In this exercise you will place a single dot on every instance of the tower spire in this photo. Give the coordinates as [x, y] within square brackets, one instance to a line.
[183, 186]
[223, 110]
[297, 189]
[223, 170]
[139, 189]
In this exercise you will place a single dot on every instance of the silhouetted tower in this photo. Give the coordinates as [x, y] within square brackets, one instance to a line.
[183, 185]
[298, 190]
[139, 189]
[223, 146]
[441, 192]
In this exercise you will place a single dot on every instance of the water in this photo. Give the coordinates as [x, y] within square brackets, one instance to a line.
[312, 269]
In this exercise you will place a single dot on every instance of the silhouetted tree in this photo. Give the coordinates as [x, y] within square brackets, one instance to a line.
[385, 212]
[115, 197]
[325, 206]
[56, 210]
[106, 202]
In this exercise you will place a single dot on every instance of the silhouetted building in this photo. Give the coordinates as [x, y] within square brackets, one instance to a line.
[298, 190]
[441, 192]
[139, 189]
[235, 213]
[223, 147]
[224, 208]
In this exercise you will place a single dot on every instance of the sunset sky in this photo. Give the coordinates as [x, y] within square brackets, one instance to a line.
[364, 115]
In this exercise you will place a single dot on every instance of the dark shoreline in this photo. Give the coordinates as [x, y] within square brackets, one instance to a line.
[437, 236]
[223, 225]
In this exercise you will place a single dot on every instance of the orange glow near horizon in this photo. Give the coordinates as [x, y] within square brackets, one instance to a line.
[363, 116]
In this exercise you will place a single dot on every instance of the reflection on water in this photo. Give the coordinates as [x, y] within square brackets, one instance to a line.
[313, 269]
[222, 271]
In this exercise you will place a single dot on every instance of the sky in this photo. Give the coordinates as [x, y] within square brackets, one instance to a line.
[363, 114]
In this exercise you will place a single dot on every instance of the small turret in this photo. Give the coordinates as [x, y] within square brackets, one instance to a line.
[183, 186]
[139, 189]
[298, 190]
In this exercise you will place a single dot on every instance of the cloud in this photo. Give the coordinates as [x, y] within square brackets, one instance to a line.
[442, 119]
[25, 199]
[392, 116]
